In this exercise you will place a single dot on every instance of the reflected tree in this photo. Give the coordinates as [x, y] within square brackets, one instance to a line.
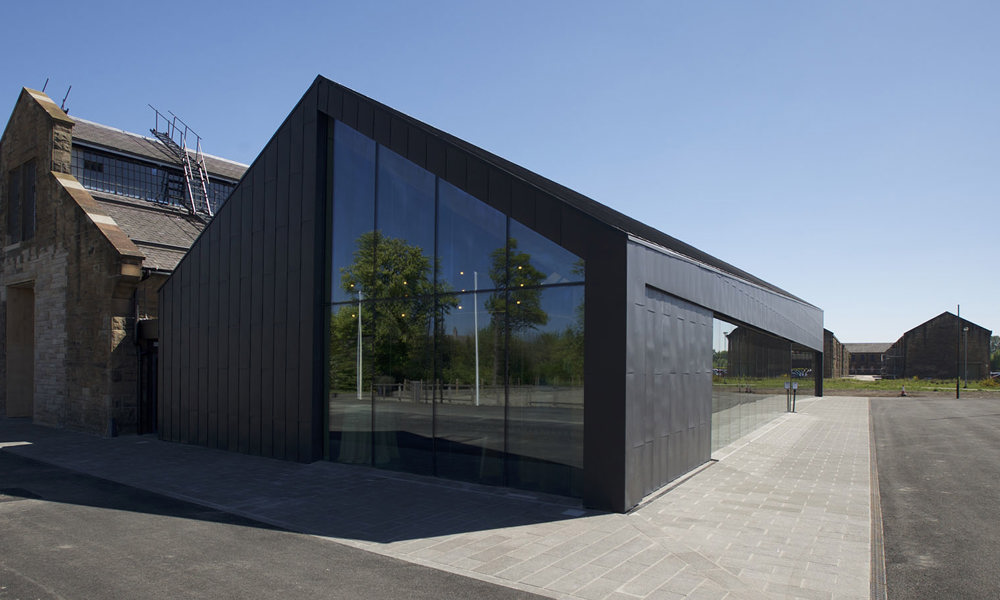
[397, 303]
[517, 303]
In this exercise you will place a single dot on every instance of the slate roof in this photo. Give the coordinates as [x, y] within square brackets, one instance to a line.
[163, 234]
[119, 140]
[868, 347]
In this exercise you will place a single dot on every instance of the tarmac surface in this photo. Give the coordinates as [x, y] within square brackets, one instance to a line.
[939, 476]
[60, 528]
[785, 512]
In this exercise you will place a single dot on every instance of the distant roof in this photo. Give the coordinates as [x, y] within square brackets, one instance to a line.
[147, 147]
[162, 233]
[868, 347]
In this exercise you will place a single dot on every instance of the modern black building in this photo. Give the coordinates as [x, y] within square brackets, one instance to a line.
[376, 291]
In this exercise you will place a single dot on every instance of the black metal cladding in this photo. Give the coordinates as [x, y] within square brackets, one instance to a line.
[243, 323]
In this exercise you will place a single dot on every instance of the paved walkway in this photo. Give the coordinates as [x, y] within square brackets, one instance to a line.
[784, 513]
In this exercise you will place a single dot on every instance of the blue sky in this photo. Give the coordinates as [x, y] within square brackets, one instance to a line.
[844, 151]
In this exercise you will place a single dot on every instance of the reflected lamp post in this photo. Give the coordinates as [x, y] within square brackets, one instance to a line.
[359, 346]
[475, 324]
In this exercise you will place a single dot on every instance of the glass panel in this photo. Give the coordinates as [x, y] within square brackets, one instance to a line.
[470, 241]
[803, 369]
[405, 212]
[750, 369]
[447, 354]
[545, 390]
[470, 411]
[353, 212]
[351, 367]
[403, 384]
[539, 260]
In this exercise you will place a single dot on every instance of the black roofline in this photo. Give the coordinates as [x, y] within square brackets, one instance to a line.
[584, 204]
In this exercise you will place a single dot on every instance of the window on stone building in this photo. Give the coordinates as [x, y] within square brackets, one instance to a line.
[14, 206]
[21, 203]
[28, 200]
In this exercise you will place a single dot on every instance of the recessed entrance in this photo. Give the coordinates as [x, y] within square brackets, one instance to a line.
[20, 351]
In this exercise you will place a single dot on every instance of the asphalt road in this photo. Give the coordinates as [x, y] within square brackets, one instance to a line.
[66, 535]
[939, 478]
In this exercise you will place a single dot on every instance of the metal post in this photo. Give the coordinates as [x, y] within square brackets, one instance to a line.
[965, 332]
[958, 357]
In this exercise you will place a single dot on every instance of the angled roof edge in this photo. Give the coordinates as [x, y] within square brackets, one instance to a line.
[600, 212]
[97, 215]
[946, 314]
[41, 100]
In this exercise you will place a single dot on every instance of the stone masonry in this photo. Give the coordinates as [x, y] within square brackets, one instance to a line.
[83, 272]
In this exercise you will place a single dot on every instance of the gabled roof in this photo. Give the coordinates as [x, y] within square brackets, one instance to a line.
[163, 234]
[868, 347]
[119, 140]
[594, 209]
[945, 316]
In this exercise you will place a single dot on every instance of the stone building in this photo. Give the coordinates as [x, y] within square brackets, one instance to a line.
[944, 347]
[836, 358]
[867, 358]
[93, 221]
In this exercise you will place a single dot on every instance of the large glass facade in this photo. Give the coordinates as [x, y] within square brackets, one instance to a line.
[456, 333]
[750, 372]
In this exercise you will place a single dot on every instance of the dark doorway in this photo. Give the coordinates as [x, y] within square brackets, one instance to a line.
[147, 386]
[20, 351]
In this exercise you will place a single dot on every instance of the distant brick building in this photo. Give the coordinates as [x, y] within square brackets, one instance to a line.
[836, 359]
[944, 347]
[92, 224]
[867, 358]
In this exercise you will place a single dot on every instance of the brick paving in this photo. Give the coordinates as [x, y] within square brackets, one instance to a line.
[782, 513]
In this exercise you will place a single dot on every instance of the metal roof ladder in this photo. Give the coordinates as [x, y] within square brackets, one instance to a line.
[174, 136]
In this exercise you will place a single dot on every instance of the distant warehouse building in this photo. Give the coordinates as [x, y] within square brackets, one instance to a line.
[379, 292]
[836, 358]
[867, 358]
[944, 347]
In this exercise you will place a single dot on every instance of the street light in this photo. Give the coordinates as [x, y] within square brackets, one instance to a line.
[965, 331]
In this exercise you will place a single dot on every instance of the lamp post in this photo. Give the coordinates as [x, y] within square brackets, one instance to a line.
[965, 332]
[958, 358]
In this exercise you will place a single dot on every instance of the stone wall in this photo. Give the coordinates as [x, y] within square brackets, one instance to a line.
[83, 271]
[36, 132]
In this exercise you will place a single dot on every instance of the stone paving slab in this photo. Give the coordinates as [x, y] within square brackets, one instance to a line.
[783, 513]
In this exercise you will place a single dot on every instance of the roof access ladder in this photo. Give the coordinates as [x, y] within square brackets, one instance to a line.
[175, 134]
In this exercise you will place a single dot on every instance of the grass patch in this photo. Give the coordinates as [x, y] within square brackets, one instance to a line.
[912, 385]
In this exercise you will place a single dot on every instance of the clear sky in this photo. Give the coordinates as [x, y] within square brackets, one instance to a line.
[846, 151]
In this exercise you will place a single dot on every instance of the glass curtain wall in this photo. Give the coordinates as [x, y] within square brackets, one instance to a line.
[750, 369]
[456, 333]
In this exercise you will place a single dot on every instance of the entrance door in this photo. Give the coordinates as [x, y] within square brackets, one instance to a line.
[20, 351]
[147, 386]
